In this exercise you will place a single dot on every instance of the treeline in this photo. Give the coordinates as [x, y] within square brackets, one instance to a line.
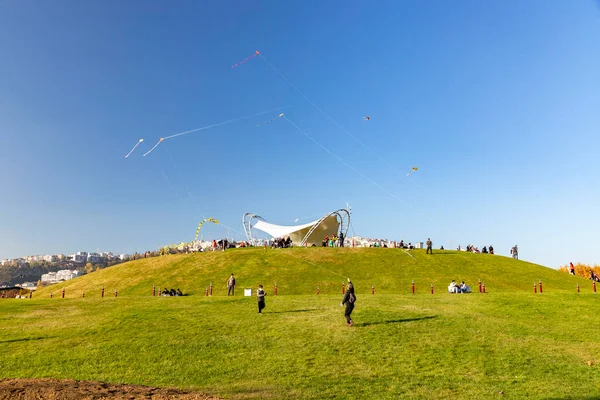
[582, 270]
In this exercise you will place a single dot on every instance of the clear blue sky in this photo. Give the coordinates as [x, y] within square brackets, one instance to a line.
[496, 102]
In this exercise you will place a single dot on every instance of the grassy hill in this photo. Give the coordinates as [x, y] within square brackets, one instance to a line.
[301, 270]
[509, 340]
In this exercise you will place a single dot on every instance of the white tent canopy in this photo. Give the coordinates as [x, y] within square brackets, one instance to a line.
[306, 234]
[278, 231]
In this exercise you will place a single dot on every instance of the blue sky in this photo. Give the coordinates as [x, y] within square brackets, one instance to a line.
[496, 102]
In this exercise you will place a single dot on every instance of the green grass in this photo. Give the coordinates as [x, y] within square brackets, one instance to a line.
[300, 271]
[402, 346]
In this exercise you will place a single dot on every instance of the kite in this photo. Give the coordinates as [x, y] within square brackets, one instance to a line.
[134, 147]
[271, 120]
[367, 118]
[413, 169]
[152, 149]
[246, 59]
[214, 221]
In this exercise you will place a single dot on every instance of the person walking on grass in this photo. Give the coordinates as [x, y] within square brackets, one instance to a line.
[349, 300]
[231, 285]
[429, 247]
[260, 295]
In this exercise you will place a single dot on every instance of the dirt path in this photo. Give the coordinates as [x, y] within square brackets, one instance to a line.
[67, 389]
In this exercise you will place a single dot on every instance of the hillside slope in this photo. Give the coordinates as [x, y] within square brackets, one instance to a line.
[301, 271]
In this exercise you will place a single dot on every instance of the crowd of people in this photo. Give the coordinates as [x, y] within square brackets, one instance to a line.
[474, 249]
[333, 241]
[282, 243]
[172, 292]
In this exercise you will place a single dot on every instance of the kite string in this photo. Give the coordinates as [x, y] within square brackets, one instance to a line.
[212, 126]
[344, 162]
[327, 115]
[358, 172]
[225, 122]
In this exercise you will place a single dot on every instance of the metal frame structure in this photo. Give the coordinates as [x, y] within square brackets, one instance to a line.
[247, 224]
[342, 214]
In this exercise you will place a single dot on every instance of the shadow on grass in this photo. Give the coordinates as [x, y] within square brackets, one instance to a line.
[396, 321]
[574, 398]
[292, 311]
[26, 339]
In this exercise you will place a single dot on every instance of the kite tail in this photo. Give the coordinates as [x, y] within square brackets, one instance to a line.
[134, 147]
[152, 149]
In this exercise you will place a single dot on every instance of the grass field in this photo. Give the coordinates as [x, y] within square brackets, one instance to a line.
[422, 346]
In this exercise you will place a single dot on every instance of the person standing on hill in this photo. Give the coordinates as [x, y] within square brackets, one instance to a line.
[231, 286]
[429, 246]
[515, 252]
[349, 300]
[260, 295]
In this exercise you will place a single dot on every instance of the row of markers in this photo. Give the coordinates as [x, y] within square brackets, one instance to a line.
[83, 293]
[209, 289]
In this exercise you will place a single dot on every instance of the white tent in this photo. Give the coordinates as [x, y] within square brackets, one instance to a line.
[306, 234]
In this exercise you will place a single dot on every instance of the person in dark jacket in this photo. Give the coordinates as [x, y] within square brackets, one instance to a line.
[349, 300]
[260, 295]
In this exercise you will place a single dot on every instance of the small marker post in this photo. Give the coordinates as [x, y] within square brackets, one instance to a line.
[63, 293]
[210, 288]
[578, 288]
[275, 289]
[483, 287]
[541, 287]
[480, 286]
[206, 293]
[153, 290]
[534, 287]
[116, 293]
[432, 288]
[82, 294]
[413, 286]
[318, 290]
[343, 288]
[594, 285]
[372, 289]
[102, 291]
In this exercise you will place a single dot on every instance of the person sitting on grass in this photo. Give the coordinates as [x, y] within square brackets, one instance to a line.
[453, 287]
[464, 288]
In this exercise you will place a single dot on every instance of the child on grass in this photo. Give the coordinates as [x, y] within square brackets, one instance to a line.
[349, 300]
[260, 295]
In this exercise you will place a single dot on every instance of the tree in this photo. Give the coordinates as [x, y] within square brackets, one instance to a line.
[89, 267]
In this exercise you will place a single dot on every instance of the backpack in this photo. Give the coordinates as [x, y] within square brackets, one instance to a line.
[351, 298]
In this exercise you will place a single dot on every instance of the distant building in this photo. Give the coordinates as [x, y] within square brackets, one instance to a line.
[50, 258]
[79, 258]
[62, 275]
[94, 258]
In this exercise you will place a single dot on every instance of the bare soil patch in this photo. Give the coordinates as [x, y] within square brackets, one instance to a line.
[67, 389]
